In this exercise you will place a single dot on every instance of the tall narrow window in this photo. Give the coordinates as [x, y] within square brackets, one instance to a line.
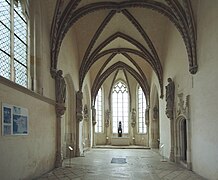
[98, 107]
[120, 106]
[13, 42]
[141, 111]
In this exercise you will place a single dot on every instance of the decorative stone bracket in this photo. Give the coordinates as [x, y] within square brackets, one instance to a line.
[60, 110]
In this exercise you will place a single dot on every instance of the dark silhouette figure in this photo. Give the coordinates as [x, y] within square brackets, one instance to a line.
[60, 86]
[170, 90]
[120, 130]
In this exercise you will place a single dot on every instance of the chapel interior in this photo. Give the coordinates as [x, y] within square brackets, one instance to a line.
[83, 74]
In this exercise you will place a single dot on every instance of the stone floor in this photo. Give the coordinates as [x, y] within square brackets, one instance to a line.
[141, 164]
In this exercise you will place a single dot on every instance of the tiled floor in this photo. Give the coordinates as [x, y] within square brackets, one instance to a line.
[142, 164]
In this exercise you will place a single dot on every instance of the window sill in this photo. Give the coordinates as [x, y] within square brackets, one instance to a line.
[24, 90]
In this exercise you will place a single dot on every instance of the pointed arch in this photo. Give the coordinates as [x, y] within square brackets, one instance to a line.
[120, 65]
[87, 63]
[120, 106]
[183, 21]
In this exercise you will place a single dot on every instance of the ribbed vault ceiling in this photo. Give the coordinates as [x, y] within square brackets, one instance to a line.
[122, 36]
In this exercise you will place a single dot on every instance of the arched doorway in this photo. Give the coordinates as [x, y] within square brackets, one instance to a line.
[182, 142]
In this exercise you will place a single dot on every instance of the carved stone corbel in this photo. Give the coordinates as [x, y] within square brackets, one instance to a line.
[60, 110]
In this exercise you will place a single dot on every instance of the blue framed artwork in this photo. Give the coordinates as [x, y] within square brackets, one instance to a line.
[14, 120]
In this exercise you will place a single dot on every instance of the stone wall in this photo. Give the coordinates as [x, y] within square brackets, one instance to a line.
[27, 156]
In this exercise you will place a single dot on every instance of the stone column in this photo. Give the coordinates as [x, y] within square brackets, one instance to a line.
[172, 140]
[188, 127]
[60, 94]
[147, 123]
[79, 117]
[107, 124]
[154, 127]
[94, 123]
[60, 110]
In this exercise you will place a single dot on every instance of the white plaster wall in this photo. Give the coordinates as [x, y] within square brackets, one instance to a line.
[204, 97]
[68, 60]
[201, 88]
[40, 48]
[176, 67]
[68, 63]
[26, 157]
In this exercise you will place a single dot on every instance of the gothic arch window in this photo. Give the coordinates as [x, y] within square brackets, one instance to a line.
[13, 42]
[120, 106]
[141, 111]
[99, 114]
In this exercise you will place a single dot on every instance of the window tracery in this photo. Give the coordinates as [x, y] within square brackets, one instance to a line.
[120, 107]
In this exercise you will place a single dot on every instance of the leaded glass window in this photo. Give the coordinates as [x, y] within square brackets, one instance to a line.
[141, 111]
[13, 42]
[98, 107]
[120, 107]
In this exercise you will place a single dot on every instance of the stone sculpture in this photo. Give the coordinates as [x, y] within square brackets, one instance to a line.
[60, 88]
[120, 130]
[170, 91]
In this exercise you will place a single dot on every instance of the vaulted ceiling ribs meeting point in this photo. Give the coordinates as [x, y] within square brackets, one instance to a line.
[134, 29]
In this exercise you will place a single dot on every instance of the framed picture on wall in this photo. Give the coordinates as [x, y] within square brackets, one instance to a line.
[14, 120]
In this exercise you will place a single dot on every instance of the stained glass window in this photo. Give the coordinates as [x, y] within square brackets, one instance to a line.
[13, 42]
[120, 107]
